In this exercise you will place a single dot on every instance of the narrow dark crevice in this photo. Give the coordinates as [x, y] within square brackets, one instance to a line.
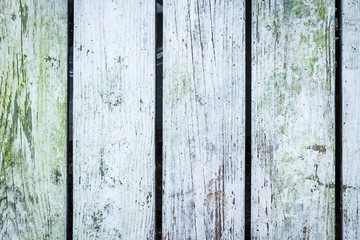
[158, 120]
[248, 54]
[338, 121]
[69, 167]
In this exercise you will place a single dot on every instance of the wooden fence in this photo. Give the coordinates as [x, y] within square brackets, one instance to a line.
[245, 123]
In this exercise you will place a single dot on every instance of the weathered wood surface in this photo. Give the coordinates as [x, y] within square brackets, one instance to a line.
[293, 120]
[204, 84]
[351, 119]
[33, 47]
[114, 94]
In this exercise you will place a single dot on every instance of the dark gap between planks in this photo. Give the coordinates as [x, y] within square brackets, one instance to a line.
[338, 121]
[69, 164]
[158, 119]
[248, 42]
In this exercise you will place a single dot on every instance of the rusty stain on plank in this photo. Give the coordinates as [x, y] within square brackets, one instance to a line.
[204, 105]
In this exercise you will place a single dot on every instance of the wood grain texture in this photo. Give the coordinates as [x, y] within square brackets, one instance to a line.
[293, 120]
[204, 84]
[33, 47]
[114, 94]
[351, 119]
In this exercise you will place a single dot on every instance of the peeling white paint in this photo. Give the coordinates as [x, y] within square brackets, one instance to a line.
[351, 119]
[204, 126]
[114, 94]
[33, 37]
[293, 120]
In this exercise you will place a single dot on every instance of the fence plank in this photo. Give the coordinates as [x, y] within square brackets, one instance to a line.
[33, 47]
[204, 128]
[114, 94]
[351, 118]
[293, 120]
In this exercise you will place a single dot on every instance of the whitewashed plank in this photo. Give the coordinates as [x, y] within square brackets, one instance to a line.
[204, 84]
[114, 93]
[293, 120]
[351, 119]
[33, 47]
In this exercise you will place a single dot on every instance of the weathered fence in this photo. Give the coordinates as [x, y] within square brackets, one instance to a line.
[102, 137]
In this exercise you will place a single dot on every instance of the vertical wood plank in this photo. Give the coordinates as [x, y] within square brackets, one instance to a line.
[351, 119]
[204, 103]
[293, 120]
[33, 47]
[114, 94]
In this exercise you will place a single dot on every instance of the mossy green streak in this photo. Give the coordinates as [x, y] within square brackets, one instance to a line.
[32, 119]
